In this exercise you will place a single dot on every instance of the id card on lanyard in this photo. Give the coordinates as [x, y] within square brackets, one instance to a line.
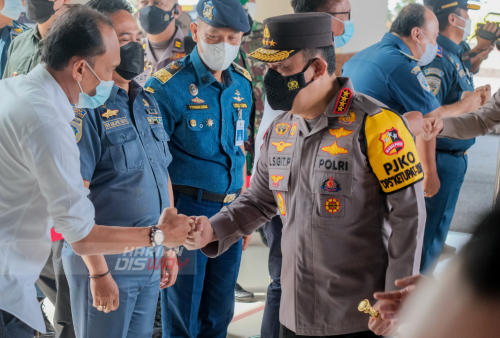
[240, 129]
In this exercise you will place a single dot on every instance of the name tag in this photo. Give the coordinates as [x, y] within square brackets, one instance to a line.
[240, 105]
[197, 107]
[240, 131]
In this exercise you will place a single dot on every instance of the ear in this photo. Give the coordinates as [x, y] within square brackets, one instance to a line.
[451, 19]
[177, 11]
[195, 31]
[320, 67]
[78, 70]
[415, 34]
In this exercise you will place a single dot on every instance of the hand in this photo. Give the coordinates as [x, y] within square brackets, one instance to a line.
[380, 326]
[201, 236]
[246, 241]
[105, 293]
[397, 298]
[431, 184]
[415, 121]
[490, 27]
[431, 126]
[175, 227]
[169, 269]
[485, 92]
[472, 100]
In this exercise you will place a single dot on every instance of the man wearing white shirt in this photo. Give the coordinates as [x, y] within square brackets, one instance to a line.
[40, 184]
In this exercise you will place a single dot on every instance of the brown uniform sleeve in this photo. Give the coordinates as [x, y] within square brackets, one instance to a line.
[247, 213]
[481, 122]
[407, 221]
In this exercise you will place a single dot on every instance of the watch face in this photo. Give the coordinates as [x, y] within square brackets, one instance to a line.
[159, 237]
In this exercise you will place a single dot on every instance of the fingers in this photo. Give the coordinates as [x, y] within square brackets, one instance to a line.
[393, 296]
[407, 281]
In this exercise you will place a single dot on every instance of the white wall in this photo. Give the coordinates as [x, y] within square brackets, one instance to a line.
[369, 16]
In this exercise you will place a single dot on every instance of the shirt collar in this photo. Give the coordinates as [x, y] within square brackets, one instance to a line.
[35, 34]
[41, 76]
[403, 48]
[447, 44]
[177, 36]
[206, 78]
[114, 91]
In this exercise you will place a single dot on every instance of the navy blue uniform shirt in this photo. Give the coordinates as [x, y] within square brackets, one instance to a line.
[448, 78]
[7, 34]
[124, 155]
[387, 72]
[200, 116]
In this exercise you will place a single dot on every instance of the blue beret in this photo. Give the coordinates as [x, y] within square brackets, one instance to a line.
[223, 14]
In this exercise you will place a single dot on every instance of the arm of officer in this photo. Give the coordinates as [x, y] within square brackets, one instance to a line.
[7, 72]
[247, 213]
[397, 167]
[481, 122]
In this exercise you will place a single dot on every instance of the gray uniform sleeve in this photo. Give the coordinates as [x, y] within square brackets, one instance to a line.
[247, 213]
[407, 220]
[481, 122]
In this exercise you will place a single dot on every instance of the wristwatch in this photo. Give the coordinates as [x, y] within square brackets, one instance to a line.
[157, 236]
[175, 249]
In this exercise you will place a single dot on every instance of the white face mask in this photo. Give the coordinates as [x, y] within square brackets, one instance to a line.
[467, 29]
[218, 56]
[430, 53]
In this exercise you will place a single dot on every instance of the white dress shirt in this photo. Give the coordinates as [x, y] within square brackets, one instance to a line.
[267, 118]
[40, 186]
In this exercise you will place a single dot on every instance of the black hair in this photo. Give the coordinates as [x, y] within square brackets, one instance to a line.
[410, 17]
[306, 6]
[77, 32]
[443, 18]
[326, 53]
[108, 7]
[481, 256]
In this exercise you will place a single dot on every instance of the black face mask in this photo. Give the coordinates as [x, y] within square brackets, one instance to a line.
[282, 90]
[155, 20]
[39, 11]
[132, 60]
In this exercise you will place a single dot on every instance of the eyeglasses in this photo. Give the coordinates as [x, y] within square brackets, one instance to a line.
[339, 13]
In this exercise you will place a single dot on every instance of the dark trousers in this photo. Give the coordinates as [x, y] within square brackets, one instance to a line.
[441, 207]
[12, 327]
[201, 302]
[286, 333]
[271, 321]
[55, 286]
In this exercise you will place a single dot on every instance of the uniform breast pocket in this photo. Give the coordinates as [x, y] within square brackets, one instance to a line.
[125, 150]
[161, 138]
[200, 132]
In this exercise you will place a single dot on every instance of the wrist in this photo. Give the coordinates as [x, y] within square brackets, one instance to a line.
[92, 276]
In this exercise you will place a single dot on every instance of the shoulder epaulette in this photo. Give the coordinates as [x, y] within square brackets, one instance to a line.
[369, 105]
[166, 73]
[242, 71]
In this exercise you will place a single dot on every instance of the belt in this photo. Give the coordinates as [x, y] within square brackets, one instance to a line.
[456, 153]
[205, 195]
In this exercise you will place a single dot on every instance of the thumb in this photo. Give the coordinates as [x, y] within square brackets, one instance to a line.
[166, 213]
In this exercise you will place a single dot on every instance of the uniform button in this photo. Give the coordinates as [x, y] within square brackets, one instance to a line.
[151, 159]
[161, 185]
[142, 133]
[223, 120]
[124, 137]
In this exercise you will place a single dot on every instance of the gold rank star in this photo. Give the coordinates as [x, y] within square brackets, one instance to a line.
[210, 122]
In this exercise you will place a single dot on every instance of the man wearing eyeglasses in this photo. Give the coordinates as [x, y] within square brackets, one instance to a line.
[343, 30]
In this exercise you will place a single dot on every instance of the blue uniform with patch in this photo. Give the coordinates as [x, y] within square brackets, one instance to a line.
[448, 77]
[201, 116]
[124, 155]
[389, 73]
[7, 34]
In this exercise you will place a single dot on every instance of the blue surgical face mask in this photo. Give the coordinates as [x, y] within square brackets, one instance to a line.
[103, 90]
[343, 39]
[430, 53]
[12, 9]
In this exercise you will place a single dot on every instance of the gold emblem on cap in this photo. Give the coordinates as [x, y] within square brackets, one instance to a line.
[208, 11]
[267, 36]
[365, 307]
[269, 55]
[192, 123]
[292, 84]
[193, 89]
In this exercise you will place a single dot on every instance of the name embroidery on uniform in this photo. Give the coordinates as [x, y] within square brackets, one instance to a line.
[155, 120]
[280, 146]
[240, 105]
[393, 144]
[334, 149]
[331, 185]
[281, 204]
[343, 101]
[279, 161]
[110, 113]
[116, 123]
[197, 107]
[294, 129]
[332, 205]
[282, 128]
[276, 180]
[347, 120]
[341, 132]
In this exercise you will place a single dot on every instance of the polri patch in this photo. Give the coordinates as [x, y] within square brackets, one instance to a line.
[391, 141]
[343, 100]
[282, 128]
[331, 185]
[197, 107]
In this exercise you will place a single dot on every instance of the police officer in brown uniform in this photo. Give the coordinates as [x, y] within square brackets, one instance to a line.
[343, 173]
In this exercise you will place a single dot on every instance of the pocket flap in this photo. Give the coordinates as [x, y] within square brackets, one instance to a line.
[160, 133]
[122, 135]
